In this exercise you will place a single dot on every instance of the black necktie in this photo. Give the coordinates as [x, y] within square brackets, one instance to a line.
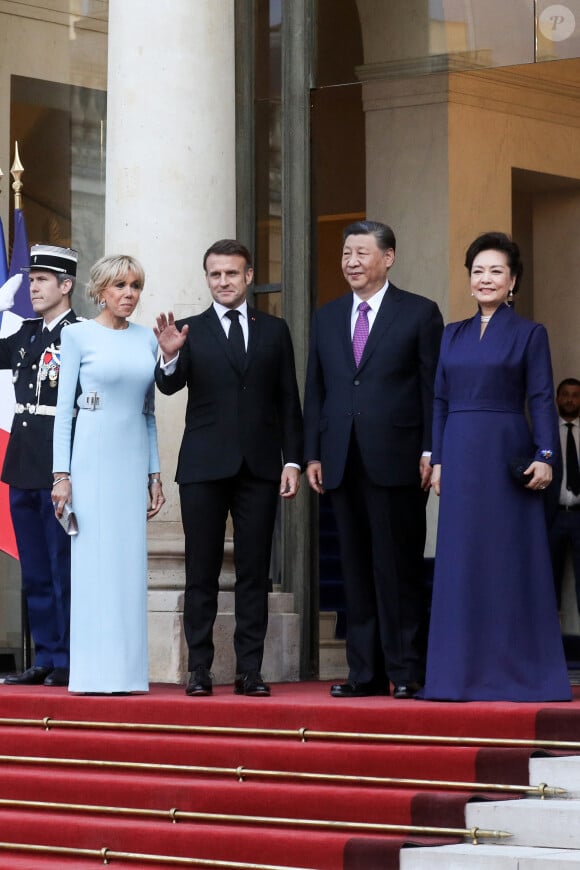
[236, 339]
[572, 469]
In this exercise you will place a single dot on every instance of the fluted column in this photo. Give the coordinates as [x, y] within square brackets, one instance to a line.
[170, 193]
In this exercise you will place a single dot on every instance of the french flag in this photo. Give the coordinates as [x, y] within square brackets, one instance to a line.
[10, 281]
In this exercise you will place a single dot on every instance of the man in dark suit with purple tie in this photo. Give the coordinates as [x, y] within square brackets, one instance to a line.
[367, 418]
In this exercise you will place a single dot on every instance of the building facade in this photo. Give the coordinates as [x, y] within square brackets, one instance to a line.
[156, 131]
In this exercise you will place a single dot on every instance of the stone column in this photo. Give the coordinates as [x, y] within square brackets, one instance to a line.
[170, 192]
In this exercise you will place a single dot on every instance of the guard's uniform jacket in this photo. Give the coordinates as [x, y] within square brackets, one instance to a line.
[34, 358]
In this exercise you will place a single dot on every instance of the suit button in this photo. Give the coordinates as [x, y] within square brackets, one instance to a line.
[24, 423]
[356, 383]
[30, 386]
[34, 367]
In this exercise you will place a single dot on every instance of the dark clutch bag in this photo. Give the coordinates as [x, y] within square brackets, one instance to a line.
[517, 468]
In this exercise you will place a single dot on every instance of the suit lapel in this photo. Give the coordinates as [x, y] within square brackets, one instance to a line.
[387, 312]
[217, 329]
[343, 328]
[253, 334]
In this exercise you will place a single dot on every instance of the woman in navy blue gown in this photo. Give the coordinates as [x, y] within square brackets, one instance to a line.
[494, 632]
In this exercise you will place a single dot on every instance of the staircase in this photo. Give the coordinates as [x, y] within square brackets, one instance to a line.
[298, 780]
[545, 834]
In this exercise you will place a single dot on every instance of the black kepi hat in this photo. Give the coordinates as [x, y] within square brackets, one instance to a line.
[53, 259]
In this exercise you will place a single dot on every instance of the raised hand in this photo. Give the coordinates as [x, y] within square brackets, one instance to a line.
[170, 338]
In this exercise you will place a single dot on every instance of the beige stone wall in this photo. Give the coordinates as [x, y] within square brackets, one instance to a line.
[526, 118]
[46, 44]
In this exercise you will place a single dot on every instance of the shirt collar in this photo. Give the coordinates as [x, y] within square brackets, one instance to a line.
[222, 310]
[52, 323]
[375, 301]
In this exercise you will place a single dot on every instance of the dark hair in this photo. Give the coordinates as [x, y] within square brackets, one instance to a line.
[383, 234]
[61, 277]
[568, 382]
[497, 242]
[228, 248]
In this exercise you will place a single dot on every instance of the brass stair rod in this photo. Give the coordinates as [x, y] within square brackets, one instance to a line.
[241, 773]
[174, 815]
[302, 734]
[109, 855]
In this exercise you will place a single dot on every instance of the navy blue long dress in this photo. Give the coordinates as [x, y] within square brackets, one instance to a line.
[494, 631]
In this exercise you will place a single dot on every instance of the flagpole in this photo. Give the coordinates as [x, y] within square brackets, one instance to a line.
[20, 249]
[3, 255]
[16, 171]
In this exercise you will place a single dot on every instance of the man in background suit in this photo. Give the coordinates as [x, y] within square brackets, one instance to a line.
[564, 494]
[243, 416]
[33, 354]
[367, 416]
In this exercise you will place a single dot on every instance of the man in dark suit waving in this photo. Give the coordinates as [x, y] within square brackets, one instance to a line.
[367, 413]
[243, 418]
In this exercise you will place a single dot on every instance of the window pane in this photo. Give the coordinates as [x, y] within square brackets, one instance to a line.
[61, 134]
[364, 39]
[268, 253]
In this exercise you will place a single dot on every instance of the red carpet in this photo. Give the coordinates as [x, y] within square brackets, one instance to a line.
[291, 708]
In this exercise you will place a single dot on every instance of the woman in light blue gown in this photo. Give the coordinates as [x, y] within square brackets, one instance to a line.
[107, 465]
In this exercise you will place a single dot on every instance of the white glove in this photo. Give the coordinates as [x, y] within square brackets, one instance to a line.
[8, 292]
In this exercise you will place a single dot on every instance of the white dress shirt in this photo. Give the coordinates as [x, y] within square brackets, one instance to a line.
[225, 321]
[374, 302]
[567, 497]
[50, 326]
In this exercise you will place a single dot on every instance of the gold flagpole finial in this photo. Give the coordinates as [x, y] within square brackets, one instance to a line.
[16, 173]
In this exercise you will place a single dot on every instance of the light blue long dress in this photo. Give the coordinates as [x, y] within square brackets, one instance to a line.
[114, 448]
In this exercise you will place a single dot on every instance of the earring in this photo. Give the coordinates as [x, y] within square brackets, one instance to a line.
[102, 304]
[510, 296]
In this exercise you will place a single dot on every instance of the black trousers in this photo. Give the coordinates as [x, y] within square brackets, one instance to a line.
[382, 539]
[252, 502]
[564, 537]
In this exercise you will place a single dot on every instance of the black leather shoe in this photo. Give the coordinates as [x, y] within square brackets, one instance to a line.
[251, 683]
[199, 682]
[58, 677]
[352, 689]
[406, 690]
[32, 677]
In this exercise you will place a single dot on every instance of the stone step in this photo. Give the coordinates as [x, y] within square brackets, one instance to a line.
[465, 856]
[563, 772]
[552, 823]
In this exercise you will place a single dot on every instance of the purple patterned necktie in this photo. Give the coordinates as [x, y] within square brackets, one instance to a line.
[361, 332]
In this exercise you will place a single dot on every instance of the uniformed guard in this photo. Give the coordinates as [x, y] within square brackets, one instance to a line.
[33, 354]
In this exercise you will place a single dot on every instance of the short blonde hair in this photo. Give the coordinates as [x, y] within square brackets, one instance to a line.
[109, 269]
